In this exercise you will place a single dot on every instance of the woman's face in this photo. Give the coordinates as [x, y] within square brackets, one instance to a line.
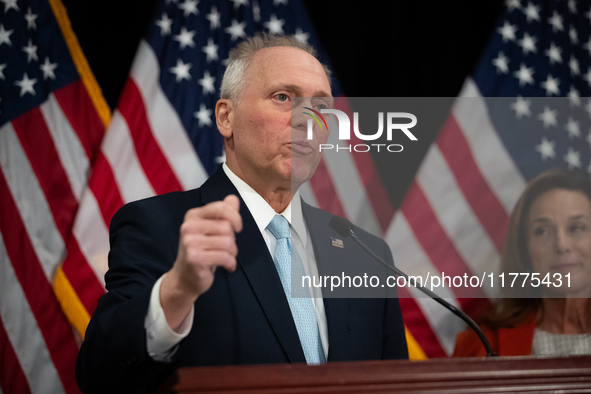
[559, 239]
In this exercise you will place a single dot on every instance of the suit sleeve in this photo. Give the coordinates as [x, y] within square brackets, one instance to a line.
[113, 357]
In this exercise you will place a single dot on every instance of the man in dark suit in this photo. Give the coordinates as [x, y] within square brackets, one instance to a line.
[169, 306]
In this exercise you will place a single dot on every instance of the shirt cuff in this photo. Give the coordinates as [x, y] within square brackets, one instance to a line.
[161, 339]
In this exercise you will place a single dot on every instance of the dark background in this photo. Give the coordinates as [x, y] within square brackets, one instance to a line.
[417, 48]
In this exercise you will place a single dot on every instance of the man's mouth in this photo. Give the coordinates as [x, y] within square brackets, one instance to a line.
[302, 147]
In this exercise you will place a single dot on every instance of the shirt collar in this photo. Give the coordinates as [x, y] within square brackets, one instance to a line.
[262, 212]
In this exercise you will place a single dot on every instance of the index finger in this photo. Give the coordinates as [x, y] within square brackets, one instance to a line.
[233, 202]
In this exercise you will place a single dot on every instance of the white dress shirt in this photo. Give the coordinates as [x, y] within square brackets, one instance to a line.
[162, 339]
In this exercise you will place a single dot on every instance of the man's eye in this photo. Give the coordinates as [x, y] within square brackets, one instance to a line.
[282, 97]
[322, 106]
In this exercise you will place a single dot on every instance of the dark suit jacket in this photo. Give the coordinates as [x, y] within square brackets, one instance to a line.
[244, 318]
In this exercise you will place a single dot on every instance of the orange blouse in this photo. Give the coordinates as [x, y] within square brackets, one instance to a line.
[516, 341]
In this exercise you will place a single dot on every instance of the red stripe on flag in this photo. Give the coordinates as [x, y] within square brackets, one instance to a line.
[378, 196]
[82, 277]
[155, 165]
[46, 163]
[54, 326]
[82, 115]
[435, 242]
[324, 190]
[419, 327]
[12, 377]
[456, 150]
[103, 186]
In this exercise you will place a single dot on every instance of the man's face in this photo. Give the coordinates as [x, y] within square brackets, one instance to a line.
[268, 144]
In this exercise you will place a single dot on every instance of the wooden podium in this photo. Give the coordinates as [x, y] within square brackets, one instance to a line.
[458, 375]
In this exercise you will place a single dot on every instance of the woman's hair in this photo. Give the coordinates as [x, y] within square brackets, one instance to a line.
[512, 310]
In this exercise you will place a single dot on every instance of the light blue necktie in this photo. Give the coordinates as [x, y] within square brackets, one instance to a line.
[289, 263]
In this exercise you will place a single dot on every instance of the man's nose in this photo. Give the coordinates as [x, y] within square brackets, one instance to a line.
[299, 118]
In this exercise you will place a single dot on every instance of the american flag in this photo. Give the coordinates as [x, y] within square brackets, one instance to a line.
[52, 119]
[524, 110]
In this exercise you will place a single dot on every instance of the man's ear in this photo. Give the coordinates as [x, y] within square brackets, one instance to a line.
[224, 114]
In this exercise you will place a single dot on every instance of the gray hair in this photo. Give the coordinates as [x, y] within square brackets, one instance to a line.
[241, 56]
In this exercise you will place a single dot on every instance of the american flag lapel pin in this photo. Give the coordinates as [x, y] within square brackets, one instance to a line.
[337, 243]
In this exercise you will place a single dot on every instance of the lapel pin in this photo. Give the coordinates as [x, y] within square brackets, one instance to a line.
[337, 243]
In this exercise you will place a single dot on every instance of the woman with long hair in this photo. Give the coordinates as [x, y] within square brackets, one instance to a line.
[549, 233]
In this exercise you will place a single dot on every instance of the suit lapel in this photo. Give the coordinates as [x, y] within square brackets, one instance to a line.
[337, 309]
[259, 268]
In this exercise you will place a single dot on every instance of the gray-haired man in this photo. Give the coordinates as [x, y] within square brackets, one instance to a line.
[169, 306]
